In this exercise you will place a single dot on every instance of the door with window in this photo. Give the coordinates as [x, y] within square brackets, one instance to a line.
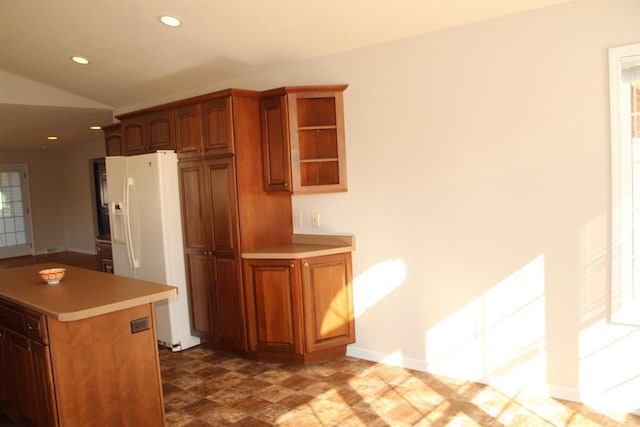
[624, 75]
[15, 221]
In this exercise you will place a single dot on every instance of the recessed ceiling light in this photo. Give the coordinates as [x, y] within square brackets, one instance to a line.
[52, 138]
[171, 21]
[80, 60]
[95, 127]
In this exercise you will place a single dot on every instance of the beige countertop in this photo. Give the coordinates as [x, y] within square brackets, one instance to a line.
[305, 246]
[103, 238]
[81, 293]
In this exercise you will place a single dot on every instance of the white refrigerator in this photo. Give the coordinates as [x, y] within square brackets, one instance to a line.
[146, 235]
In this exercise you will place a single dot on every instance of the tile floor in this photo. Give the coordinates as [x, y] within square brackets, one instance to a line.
[206, 388]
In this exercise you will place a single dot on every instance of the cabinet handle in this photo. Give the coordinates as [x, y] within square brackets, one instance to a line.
[32, 328]
[286, 184]
[306, 264]
[292, 265]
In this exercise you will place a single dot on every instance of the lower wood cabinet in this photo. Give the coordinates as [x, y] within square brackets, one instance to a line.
[299, 310]
[26, 388]
[105, 255]
[104, 373]
[210, 233]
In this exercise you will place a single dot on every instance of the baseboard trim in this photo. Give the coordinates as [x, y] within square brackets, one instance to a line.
[549, 390]
[82, 251]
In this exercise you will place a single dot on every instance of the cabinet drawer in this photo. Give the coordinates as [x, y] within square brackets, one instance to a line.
[104, 249]
[12, 318]
[36, 327]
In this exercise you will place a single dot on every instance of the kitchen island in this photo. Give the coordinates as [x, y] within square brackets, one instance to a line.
[83, 352]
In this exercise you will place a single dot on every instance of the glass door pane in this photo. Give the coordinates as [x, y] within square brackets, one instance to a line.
[15, 230]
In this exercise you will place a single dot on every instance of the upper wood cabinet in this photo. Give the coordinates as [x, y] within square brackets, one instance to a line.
[205, 128]
[148, 132]
[303, 142]
[112, 139]
[188, 125]
[217, 129]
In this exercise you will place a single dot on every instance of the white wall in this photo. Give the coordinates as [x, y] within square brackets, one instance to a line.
[478, 162]
[79, 210]
[46, 193]
[60, 193]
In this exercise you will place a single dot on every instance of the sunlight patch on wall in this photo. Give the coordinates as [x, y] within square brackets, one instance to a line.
[377, 282]
[593, 269]
[498, 337]
[609, 372]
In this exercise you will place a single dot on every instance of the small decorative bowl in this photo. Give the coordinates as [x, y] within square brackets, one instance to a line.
[52, 275]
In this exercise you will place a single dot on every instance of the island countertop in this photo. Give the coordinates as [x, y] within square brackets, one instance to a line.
[81, 294]
[304, 246]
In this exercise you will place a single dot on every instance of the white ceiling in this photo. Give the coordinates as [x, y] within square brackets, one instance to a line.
[135, 59]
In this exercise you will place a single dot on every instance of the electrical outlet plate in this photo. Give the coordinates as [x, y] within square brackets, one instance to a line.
[139, 325]
[315, 220]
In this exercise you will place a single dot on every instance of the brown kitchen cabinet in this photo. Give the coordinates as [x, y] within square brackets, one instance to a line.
[105, 254]
[147, 132]
[211, 244]
[205, 128]
[112, 139]
[225, 210]
[26, 390]
[299, 310]
[188, 125]
[76, 359]
[274, 308]
[241, 156]
[303, 139]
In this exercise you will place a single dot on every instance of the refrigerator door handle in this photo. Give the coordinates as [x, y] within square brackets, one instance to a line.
[128, 183]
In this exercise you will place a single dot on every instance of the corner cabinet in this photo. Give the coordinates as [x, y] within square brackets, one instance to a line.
[299, 310]
[303, 139]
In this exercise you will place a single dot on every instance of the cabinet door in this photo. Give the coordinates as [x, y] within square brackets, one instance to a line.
[328, 301]
[221, 178]
[274, 301]
[229, 302]
[23, 384]
[196, 229]
[43, 409]
[7, 391]
[133, 136]
[217, 129]
[188, 131]
[275, 143]
[223, 206]
[160, 131]
[112, 141]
